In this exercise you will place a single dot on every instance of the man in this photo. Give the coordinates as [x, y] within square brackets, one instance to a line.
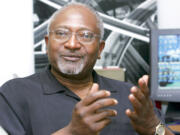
[69, 98]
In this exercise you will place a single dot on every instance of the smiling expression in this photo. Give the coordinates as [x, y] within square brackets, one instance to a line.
[72, 57]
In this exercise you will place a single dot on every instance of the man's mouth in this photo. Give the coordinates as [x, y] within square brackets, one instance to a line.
[72, 58]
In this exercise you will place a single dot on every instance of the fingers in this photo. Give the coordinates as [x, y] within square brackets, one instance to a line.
[95, 94]
[139, 97]
[135, 103]
[91, 110]
[132, 115]
[83, 111]
[95, 100]
[143, 85]
[146, 79]
[95, 88]
[102, 103]
[138, 94]
[102, 114]
[100, 117]
[100, 125]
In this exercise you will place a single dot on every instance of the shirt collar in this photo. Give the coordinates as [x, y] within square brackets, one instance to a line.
[51, 85]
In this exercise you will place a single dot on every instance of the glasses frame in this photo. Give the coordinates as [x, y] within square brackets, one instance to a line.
[76, 36]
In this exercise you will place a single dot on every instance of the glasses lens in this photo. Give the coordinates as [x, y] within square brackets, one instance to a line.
[62, 35]
[85, 36]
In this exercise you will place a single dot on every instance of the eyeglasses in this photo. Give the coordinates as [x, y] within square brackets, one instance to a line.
[83, 36]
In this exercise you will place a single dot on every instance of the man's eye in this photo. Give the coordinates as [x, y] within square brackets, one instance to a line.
[86, 35]
[61, 33]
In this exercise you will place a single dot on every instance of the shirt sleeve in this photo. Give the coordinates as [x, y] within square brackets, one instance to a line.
[9, 121]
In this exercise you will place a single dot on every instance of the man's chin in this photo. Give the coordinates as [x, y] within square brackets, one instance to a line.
[71, 69]
[71, 75]
[72, 72]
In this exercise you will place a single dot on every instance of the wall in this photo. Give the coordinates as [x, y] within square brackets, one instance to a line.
[16, 39]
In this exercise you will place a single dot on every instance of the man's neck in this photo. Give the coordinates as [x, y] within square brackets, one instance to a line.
[80, 85]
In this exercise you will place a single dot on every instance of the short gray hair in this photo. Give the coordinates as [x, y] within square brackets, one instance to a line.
[99, 19]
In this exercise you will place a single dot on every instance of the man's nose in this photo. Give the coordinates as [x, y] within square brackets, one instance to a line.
[72, 43]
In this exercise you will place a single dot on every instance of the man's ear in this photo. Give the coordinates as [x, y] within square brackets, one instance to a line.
[46, 38]
[101, 47]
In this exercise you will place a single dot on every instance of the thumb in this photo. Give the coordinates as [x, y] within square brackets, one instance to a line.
[94, 88]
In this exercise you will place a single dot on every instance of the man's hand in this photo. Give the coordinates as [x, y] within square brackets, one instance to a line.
[89, 116]
[143, 117]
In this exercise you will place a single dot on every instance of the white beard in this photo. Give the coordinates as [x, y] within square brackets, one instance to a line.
[69, 67]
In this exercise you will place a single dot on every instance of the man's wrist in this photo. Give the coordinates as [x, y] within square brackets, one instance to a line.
[152, 130]
[63, 131]
[160, 129]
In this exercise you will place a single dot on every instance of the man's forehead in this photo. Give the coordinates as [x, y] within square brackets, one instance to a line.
[75, 16]
[73, 25]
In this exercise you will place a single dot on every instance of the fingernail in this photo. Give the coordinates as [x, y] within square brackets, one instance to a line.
[115, 113]
[133, 89]
[115, 101]
[131, 96]
[108, 93]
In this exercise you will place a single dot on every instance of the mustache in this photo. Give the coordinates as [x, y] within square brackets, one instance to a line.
[72, 54]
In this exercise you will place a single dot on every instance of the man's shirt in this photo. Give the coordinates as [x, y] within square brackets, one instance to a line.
[40, 105]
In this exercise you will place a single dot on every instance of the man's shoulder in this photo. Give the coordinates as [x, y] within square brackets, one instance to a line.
[18, 85]
[21, 80]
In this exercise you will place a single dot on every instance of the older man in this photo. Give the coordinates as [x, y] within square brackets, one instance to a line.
[69, 98]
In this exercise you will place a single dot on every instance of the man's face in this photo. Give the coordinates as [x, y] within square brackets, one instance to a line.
[73, 56]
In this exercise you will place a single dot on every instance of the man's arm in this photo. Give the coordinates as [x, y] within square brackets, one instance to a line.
[8, 118]
[143, 117]
[87, 116]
